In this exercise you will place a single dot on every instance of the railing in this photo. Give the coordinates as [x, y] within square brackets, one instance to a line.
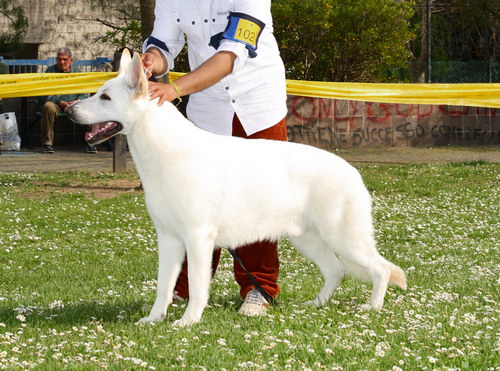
[17, 66]
[41, 65]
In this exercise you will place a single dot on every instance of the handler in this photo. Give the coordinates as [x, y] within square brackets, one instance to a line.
[236, 87]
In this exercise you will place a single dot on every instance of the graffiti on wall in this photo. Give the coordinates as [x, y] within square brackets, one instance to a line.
[329, 123]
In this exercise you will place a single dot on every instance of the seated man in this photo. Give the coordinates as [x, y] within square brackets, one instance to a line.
[57, 103]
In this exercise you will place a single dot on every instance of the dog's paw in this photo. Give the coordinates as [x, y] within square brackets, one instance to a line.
[151, 319]
[310, 303]
[369, 307]
[365, 307]
[184, 322]
[317, 302]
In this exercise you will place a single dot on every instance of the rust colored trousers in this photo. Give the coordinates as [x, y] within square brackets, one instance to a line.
[260, 258]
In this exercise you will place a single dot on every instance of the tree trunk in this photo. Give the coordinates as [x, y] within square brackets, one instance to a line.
[418, 69]
[147, 17]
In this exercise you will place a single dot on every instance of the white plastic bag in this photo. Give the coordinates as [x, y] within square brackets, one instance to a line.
[9, 135]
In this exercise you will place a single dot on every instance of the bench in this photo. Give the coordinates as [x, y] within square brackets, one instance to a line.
[40, 66]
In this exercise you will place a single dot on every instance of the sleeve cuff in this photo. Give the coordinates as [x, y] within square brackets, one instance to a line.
[168, 56]
[238, 49]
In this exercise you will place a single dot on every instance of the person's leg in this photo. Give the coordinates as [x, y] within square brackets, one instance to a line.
[260, 258]
[182, 285]
[276, 132]
[50, 111]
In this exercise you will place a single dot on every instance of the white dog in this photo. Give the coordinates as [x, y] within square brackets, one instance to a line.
[204, 190]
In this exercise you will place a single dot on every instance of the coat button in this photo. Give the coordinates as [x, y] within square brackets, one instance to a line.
[193, 23]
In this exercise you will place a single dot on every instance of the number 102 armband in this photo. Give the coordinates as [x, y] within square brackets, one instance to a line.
[244, 29]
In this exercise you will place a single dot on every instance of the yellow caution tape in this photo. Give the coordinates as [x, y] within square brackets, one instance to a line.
[474, 95]
[35, 84]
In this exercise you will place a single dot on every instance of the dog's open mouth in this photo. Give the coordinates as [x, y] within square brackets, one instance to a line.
[102, 132]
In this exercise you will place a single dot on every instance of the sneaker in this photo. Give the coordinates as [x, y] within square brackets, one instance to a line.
[91, 149]
[254, 304]
[177, 297]
[47, 148]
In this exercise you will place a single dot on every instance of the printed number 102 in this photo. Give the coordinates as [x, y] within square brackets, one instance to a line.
[246, 35]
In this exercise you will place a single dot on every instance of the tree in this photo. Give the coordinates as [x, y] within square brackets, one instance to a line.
[14, 24]
[127, 31]
[464, 41]
[132, 29]
[343, 40]
[468, 30]
[147, 17]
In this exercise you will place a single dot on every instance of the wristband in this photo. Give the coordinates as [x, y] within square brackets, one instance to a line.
[177, 91]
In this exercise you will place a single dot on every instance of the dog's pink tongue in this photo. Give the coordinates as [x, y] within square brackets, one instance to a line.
[94, 130]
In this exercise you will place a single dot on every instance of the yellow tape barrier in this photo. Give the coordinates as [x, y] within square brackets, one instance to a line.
[34, 84]
[475, 95]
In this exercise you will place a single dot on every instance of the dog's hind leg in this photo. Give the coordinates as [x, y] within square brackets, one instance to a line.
[311, 246]
[355, 245]
[360, 257]
[171, 254]
[199, 255]
[378, 271]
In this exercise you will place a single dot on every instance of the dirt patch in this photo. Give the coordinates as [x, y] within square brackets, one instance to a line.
[408, 155]
[110, 189]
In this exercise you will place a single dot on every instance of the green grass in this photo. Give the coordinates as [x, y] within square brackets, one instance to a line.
[78, 270]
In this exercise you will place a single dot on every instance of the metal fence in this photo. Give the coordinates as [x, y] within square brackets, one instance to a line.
[25, 104]
[453, 72]
[41, 65]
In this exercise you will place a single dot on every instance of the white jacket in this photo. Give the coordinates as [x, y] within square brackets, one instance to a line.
[255, 90]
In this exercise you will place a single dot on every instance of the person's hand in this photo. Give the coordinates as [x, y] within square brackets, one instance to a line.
[148, 60]
[165, 92]
[63, 104]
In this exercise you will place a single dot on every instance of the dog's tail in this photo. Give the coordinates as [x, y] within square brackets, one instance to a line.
[398, 277]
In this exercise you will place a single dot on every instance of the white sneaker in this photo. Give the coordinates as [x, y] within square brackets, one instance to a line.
[176, 297]
[254, 304]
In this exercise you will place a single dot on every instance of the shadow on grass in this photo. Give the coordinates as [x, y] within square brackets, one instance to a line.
[83, 313]
[76, 313]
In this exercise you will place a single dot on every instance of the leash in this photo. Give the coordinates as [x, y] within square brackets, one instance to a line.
[257, 285]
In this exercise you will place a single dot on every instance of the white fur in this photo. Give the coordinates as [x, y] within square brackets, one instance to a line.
[203, 190]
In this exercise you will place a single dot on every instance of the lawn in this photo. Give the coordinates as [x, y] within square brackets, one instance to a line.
[78, 269]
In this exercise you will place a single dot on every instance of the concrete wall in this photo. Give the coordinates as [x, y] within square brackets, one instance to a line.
[328, 123]
[56, 23]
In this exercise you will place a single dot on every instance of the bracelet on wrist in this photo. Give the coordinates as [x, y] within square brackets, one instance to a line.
[177, 91]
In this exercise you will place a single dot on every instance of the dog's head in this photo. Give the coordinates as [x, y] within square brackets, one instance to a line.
[117, 105]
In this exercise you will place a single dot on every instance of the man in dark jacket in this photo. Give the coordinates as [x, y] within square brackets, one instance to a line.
[57, 103]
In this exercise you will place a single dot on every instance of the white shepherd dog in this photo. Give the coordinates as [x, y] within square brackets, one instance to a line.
[205, 191]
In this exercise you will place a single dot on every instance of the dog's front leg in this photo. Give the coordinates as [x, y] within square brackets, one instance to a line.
[199, 255]
[171, 254]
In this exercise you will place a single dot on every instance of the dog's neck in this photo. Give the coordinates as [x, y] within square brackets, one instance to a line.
[161, 130]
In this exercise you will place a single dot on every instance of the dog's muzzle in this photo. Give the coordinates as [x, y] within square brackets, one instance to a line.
[100, 132]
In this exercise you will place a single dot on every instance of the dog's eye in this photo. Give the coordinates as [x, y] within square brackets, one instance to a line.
[104, 96]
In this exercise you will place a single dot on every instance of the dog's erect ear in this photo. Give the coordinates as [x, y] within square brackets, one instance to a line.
[135, 77]
[124, 61]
